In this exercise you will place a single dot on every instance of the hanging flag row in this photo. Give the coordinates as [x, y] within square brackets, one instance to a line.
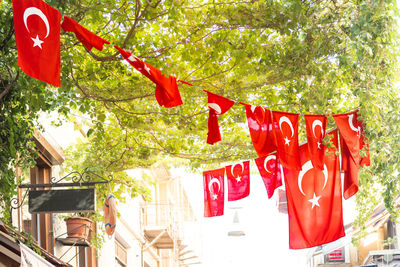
[238, 180]
[311, 171]
[314, 195]
[278, 131]
[37, 34]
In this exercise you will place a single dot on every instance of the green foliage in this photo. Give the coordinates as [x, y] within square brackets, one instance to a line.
[26, 239]
[318, 57]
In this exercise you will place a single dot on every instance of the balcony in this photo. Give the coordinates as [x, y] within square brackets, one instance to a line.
[159, 226]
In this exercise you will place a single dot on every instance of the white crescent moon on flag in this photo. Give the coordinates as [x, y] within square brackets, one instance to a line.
[315, 124]
[215, 107]
[266, 161]
[325, 172]
[253, 108]
[214, 180]
[351, 123]
[233, 166]
[286, 119]
[36, 11]
[304, 169]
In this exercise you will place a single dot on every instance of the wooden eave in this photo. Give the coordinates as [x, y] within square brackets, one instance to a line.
[51, 152]
[163, 239]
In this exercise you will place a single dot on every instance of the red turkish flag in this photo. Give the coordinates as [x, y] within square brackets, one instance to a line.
[365, 161]
[287, 140]
[260, 126]
[217, 105]
[167, 92]
[37, 34]
[350, 129]
[350, 170]
[316, 129]
[86, 37]
[352, 141]
[213, 181]
[238, 177]
[270, 171]
[314, 201]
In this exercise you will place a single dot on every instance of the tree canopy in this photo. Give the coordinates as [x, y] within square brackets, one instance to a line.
[308, 57]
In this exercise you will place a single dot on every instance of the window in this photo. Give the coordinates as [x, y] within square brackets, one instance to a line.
[120, 255]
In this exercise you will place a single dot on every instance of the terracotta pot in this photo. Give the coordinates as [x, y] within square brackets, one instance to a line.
[78, 227]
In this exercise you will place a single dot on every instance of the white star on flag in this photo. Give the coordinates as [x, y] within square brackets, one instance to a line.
[319, 145]
[238, 179]
[147, 69]
[215, 197]
[287, 141]
[314, 201]
[37, 42]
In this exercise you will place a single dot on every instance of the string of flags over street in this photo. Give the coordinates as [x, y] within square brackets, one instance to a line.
[311, 171]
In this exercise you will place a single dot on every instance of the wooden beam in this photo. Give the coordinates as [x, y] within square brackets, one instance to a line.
[155, 239]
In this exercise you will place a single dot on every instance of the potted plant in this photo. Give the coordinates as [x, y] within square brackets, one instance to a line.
[79, 227]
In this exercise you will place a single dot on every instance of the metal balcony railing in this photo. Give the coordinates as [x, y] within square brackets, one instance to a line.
[160, 215]
[157, 215]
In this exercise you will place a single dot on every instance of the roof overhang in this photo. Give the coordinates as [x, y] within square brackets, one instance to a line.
[49, 149]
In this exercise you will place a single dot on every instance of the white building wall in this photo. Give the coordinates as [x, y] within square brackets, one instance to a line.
[128, 234]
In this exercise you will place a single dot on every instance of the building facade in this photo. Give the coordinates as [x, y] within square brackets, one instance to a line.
[156, 233]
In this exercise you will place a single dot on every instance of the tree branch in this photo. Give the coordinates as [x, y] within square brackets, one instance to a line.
[101, 98]
[9, 87]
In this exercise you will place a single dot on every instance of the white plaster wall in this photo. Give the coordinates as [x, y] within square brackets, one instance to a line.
[67, 252]
[130, 238]
[106, 256]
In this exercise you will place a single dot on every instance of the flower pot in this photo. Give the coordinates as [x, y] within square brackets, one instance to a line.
[78, 227]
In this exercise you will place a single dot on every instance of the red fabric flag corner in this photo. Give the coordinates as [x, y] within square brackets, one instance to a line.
[316, 129]
[167, 92]
[350, 129]
[238, 177]
[213, 181]
[37, 34]
[86, 37]
[350, 170]
[270, 171]
[352, 140]
[287, 138]
[217, 105]
[366, 160]
[314, 201]
[260, 126]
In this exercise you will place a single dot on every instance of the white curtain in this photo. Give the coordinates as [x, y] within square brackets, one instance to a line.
[30, 258]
